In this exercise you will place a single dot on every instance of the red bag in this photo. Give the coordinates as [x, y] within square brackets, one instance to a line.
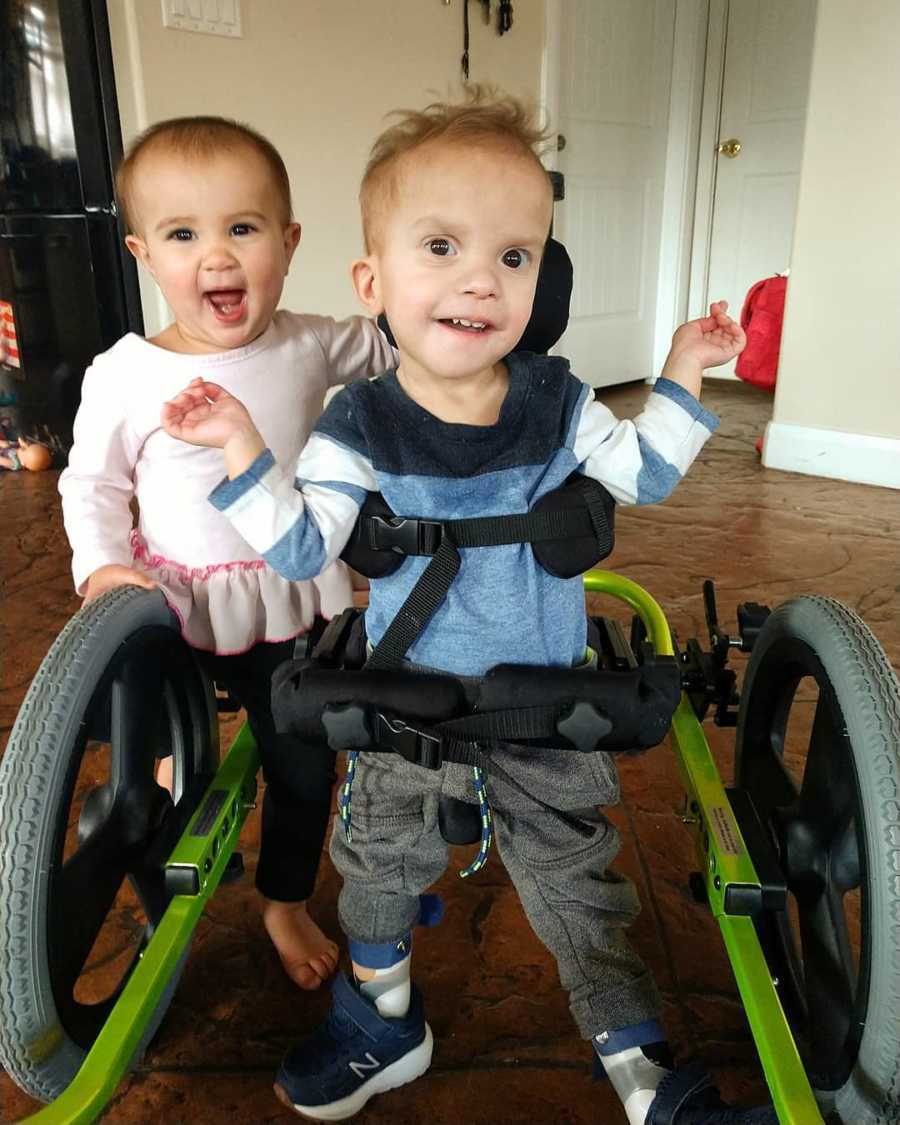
[761, 318]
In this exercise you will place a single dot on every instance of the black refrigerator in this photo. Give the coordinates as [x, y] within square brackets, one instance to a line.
[68, 288]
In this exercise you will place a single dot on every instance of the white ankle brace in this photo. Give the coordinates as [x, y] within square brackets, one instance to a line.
[634, 1078]
[390, 988]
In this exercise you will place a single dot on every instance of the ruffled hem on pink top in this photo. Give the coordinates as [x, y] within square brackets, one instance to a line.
[229, 607]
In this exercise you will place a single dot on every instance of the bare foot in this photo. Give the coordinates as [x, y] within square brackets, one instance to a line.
[308, 956]
[165, 774]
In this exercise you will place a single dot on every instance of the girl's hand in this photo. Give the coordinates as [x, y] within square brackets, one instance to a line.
[206, 414]
[710, 340]
[112, 575]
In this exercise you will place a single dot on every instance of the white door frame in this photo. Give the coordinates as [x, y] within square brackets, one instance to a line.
[682, 185]
[707, 162]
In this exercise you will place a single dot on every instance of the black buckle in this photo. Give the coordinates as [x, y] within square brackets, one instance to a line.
[416, 746]
[329, 648]
[405, 536]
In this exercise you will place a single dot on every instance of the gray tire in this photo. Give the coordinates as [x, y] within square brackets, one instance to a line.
[839, 833]
[123, 649]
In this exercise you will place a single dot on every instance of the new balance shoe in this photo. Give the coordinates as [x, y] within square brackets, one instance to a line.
[355, 1054]
[687, 1097]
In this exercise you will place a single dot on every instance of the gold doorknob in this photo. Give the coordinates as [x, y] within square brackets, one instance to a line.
[729, 148]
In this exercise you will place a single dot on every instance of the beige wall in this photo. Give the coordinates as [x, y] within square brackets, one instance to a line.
[840, 358]
[316, 77]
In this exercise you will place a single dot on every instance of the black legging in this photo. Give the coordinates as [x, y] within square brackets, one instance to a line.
[299, 778]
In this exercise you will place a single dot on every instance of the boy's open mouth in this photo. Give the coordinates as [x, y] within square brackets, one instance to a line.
[228, 305]
[458, 324]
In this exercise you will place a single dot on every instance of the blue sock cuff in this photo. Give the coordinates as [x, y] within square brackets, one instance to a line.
[382, 954]
[635, 1035]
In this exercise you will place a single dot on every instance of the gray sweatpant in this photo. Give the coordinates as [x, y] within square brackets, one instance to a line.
[576, 905]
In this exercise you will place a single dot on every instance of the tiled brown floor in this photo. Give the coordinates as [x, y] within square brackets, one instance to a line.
[505, 1047]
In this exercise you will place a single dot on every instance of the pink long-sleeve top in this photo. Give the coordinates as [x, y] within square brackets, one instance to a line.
[225, 595]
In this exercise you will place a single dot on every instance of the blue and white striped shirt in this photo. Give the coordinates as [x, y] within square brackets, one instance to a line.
[503, 606]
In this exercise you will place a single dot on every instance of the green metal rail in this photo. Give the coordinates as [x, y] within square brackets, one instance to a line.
[724, 862]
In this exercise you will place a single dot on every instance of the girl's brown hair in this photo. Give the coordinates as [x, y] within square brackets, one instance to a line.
[197, 138]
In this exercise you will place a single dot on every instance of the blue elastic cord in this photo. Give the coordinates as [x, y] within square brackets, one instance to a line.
[484, 809]
[486, 826]
[346, 792]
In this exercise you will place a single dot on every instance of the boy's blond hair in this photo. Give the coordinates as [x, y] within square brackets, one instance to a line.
[486, 117]
[197, 138]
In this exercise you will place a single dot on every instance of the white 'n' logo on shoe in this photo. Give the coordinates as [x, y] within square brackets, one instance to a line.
[359, 1067]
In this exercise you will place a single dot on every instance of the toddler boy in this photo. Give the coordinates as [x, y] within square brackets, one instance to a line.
[456, 212]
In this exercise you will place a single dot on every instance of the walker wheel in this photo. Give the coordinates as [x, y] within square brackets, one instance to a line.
[85, 830]
[818, 750]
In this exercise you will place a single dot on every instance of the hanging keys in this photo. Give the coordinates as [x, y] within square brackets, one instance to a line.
[464, 61]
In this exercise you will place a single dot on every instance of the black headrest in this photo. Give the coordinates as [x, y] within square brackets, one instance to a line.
[550, 312]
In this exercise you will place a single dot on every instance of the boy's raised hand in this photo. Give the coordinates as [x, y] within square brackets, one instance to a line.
[206, 414]
[705, 342]
[712, 339]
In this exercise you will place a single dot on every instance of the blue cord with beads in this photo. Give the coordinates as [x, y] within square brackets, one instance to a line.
[346, 792]
[487, 827]
[484, 809]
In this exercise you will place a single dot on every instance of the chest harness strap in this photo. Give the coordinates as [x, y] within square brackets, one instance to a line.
[569, 529]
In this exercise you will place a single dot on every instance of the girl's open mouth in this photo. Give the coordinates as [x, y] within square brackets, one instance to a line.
[228, 305]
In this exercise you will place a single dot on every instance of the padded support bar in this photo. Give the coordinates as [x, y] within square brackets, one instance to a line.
[625, 710]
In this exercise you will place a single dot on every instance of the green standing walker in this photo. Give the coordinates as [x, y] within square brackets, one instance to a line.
[799, 866]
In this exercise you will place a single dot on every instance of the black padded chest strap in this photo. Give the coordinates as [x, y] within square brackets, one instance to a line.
[423, 537]
[536, 526]
[443, 539]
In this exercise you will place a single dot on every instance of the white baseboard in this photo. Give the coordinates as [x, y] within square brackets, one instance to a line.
[833, 453]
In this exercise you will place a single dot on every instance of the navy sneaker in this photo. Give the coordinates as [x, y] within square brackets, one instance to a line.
[355, 1054]
[687, 1097]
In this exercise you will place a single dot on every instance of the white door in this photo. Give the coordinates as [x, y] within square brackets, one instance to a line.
[614, 70]
[768, 49]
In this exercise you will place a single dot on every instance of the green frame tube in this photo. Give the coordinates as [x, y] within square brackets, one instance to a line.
[724, 860]
[201, 860]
